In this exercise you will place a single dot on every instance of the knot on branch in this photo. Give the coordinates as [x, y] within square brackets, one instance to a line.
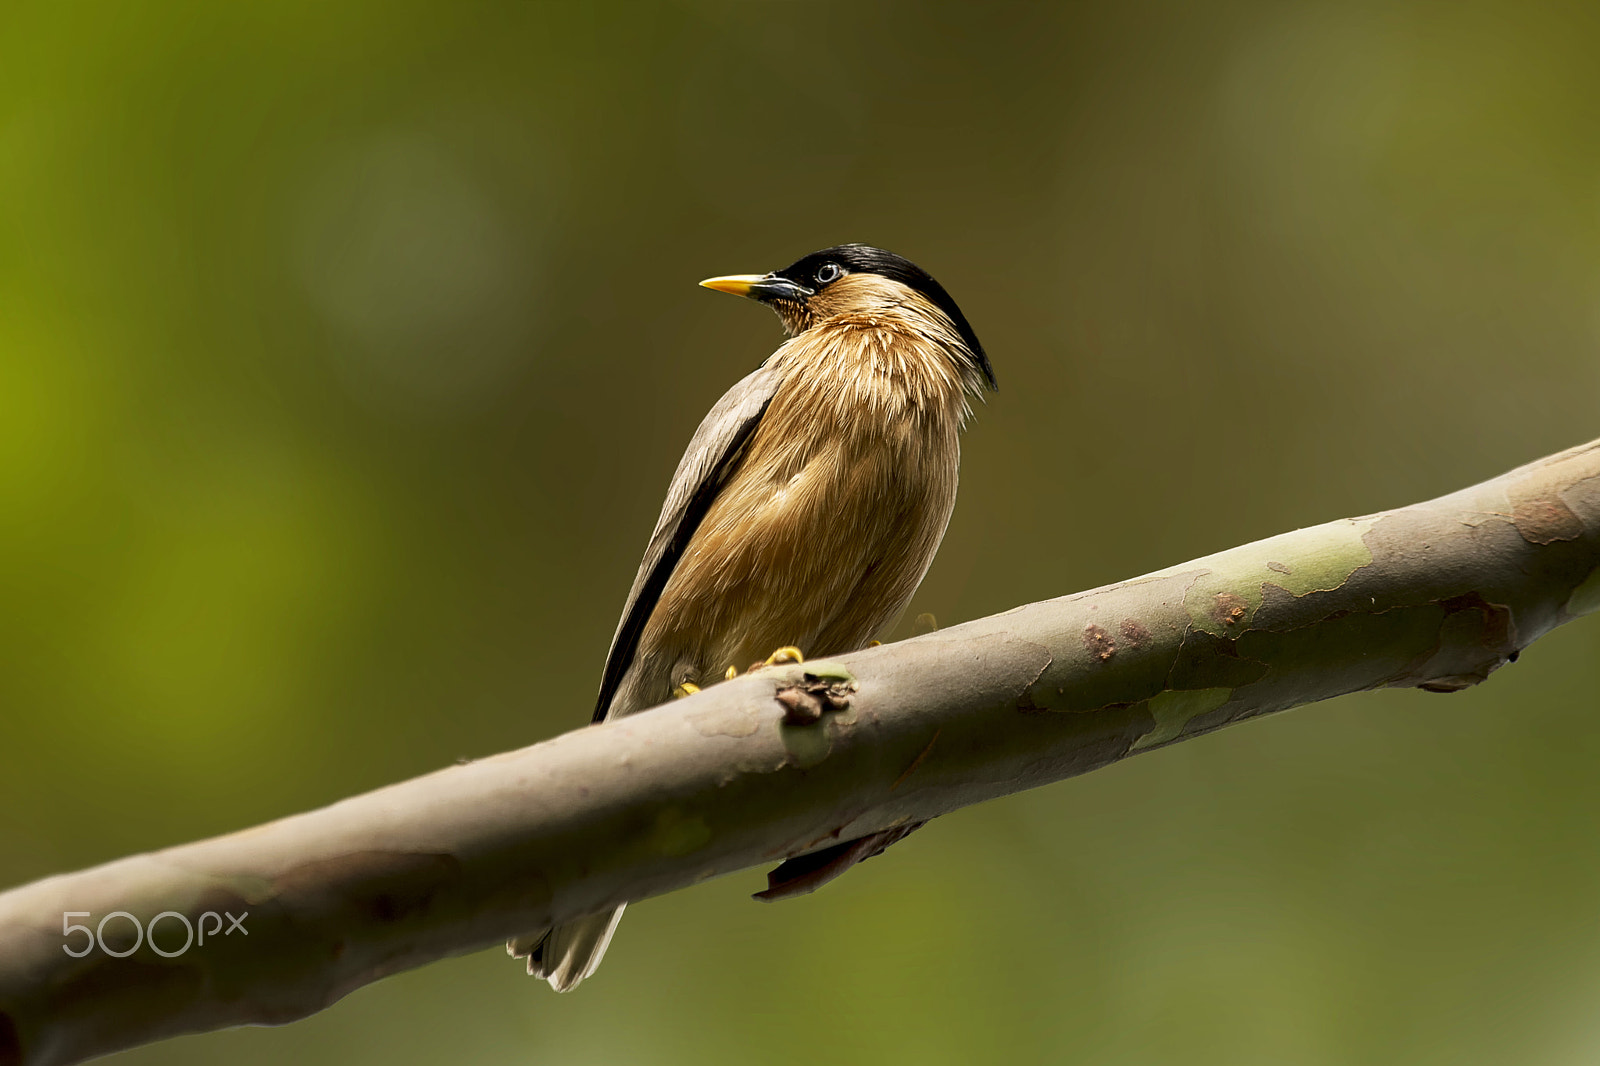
[805, 701]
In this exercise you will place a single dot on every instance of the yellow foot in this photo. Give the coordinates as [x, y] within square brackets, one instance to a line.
[688, 688]
[783, 656]
[733, 672]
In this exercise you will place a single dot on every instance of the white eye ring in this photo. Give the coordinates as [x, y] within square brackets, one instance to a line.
[828, 272]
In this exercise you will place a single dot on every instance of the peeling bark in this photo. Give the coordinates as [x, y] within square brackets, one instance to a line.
[1435, 596]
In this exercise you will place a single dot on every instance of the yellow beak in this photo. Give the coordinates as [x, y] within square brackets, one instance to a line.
[763, 288]
[737, 284]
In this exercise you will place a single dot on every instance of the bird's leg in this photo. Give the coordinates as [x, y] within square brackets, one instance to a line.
[685, 677]
[782, 657]
[787, 654]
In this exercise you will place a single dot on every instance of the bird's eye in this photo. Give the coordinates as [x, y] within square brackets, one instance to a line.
[828, 272]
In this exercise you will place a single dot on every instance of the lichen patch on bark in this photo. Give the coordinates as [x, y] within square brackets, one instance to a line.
[807, 745]
[675, 833]
[1173, 710]
[1226, 593]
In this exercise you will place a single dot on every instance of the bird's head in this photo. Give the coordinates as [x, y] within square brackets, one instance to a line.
[847, 279]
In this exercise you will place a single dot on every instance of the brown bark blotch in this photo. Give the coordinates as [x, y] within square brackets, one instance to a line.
[1493, 633]
[1539, 512]
[1230, 608]
[1546, 520]
[1099, 642]
[1496, 620]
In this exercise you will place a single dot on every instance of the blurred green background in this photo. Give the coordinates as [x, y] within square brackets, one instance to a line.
[346, 351]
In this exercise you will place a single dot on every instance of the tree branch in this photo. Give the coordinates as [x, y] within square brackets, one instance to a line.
[1435, 596]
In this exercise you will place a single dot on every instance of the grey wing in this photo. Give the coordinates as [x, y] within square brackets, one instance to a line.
[714, 453]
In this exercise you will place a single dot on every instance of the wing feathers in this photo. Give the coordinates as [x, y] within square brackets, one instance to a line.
[713, 455]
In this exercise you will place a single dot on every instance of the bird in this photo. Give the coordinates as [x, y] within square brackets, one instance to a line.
[803, 515]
